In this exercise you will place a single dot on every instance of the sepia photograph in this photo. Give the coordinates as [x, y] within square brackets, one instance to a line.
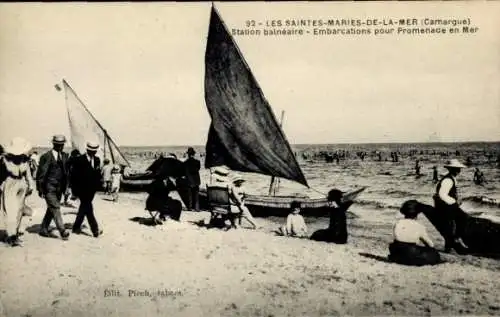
[250, 159]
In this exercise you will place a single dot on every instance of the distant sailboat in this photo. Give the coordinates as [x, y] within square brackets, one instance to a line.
[244, 134]
[84, 126]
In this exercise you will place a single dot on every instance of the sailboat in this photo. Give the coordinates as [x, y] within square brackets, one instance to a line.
[84, 126]
[244, 134]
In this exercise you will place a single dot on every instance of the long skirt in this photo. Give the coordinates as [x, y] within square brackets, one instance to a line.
[12, 204]
[413, 254]
[330, 235]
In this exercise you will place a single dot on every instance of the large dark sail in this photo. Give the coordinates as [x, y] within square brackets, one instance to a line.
[244, 134]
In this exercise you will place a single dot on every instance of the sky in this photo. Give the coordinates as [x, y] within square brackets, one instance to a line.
[139, 68]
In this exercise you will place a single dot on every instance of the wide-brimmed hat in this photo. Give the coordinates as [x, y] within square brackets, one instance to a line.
[116, 167]
[221, 170]
[237, 178]
[410, 208]
[191, 151]
[18, 146]
[454, 163]
[92, 146]
[58, 139]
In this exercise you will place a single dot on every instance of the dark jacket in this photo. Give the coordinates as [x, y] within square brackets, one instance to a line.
[52, 174]
[85, 180]
[158, 191]
[192, 172]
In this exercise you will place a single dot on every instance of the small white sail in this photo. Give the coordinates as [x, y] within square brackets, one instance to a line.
[85, 127]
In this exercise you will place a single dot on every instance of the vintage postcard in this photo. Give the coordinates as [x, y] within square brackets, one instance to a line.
[250, 159]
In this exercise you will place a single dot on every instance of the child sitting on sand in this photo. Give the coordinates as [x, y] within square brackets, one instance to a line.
[412, 245]
[295, 225]
[116, 178]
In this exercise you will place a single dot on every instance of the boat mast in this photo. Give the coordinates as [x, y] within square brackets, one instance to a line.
[274, 180]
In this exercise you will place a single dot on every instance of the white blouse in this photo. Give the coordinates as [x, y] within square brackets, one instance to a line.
[411, 231]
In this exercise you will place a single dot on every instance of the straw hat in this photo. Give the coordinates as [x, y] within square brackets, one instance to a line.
[116, 168]
[237, 178]
[58, 139]
[18, 146]
[454, 163]
[221, 170]
[92, 146]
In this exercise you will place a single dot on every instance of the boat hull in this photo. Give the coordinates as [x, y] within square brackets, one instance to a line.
[277, 206]
[480, 235]
[135, 185]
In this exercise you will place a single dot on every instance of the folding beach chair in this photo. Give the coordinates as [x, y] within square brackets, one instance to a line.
[219, 204]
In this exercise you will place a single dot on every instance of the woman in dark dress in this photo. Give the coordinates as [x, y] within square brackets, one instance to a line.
[337, 230]
[159, 200]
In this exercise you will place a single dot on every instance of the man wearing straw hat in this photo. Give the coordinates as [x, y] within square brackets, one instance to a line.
[51, 183]
[85, 182]
[446, 201]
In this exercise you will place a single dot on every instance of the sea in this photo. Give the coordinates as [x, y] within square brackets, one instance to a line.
[388, 183]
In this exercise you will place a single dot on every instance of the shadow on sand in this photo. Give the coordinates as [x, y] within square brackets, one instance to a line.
[35, 229]
[375, 257]
[150, 222]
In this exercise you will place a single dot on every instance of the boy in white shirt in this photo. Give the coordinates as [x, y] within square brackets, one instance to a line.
[295, 225]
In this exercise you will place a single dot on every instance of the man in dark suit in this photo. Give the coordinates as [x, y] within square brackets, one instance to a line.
[192, 173]
[85, 182]
[51, 183]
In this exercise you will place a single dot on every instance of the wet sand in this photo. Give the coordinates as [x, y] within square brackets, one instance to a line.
[188, 270]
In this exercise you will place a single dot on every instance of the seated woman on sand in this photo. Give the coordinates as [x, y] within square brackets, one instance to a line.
[159, 199]
[220, 177]
[412, 245]
[295, 225]
[337, 230]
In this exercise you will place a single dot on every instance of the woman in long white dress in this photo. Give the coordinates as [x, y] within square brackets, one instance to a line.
[16, 184]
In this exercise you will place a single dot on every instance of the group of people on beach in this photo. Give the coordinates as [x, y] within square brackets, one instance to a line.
[412, 244]
[51, 176]
[55, 172]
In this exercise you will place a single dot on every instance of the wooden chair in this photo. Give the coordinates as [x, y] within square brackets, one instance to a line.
[219, 204]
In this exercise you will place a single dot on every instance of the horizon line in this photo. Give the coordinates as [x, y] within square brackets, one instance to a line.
[321, 143]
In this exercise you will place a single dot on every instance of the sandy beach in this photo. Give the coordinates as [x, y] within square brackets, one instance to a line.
[181, 269]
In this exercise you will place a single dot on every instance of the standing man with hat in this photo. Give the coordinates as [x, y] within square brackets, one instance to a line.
[51, 183]
[192, 172]
[85, 182]
[446, 201]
